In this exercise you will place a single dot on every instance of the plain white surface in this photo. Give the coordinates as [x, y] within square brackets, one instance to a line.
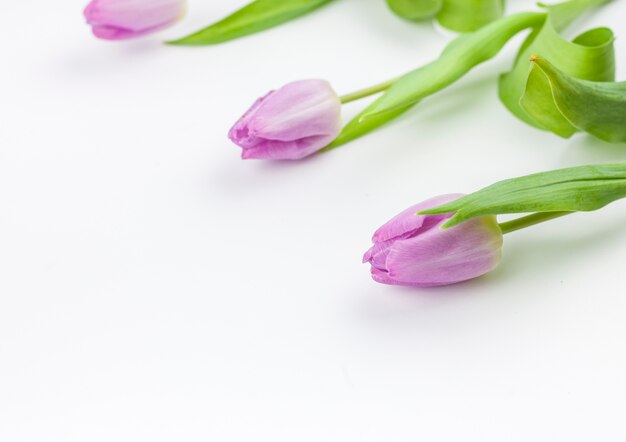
[154, 287]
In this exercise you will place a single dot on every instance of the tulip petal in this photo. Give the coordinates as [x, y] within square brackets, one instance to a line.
[114, 33]
[291, 123]
[440, 257]
[298, 110]
[382, 277]
[122, 19]
[377, 255]
[409, 221]
[284, 150]
[240, 132]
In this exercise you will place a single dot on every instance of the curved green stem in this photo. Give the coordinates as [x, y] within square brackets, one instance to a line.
[530, 220]
[381, 87]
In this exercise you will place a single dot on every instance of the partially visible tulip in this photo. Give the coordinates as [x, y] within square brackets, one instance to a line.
[413, 250]
[124, 19]
[290, 123]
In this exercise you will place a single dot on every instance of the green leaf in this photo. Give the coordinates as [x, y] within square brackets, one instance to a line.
[357, 128]
[415, 10]
[457, 15]
[458, 58]
[572, 105]
[255, 17]
[585, 188]
[590, 56]
[469, 15]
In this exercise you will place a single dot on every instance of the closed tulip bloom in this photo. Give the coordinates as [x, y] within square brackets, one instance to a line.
[290, 123]
[124, 19]
[413, 250]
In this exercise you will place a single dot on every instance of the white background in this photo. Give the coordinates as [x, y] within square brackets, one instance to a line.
[154, 287]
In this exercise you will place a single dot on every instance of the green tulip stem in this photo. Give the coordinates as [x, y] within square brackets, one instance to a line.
[381, 87]
[530, 220]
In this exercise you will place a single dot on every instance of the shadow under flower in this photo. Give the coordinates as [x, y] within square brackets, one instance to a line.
[252, 176]
[552, 253]
[111, 58]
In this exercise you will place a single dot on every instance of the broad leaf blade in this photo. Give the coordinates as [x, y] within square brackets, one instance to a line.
[590, 57]
[575, 189]
[357, 127]
[539, 105]
[595, 107]
[255, 17]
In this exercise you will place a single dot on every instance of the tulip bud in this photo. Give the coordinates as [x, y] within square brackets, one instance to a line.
[413, 250]
[291, 123]
[124, 19]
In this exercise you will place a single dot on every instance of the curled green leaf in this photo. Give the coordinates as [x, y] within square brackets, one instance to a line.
[255, 17]
[590, 56]
[584, 188]
[572, 105]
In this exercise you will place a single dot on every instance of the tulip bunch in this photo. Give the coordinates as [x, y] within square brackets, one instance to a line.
[555, 85]
[552, 92]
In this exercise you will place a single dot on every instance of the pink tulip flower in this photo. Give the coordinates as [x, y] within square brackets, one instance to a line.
[291, 123]
[124, 19]
[413, 250]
